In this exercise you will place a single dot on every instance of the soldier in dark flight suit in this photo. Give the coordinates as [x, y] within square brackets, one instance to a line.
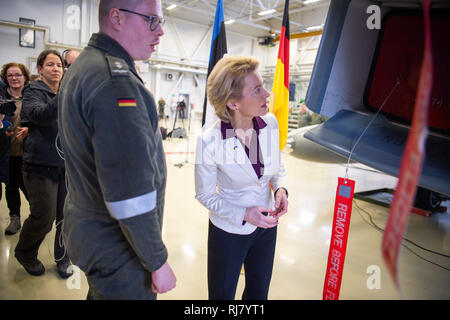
[115, 163]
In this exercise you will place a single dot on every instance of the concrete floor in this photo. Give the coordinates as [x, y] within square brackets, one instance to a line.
[302, 245]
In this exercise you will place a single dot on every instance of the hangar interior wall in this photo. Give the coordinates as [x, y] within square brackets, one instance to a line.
[69, 23]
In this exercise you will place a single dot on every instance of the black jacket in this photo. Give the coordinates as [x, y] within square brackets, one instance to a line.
[4, 146]
[39, 111]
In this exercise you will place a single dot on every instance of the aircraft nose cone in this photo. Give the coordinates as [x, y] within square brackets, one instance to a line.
[290, 145]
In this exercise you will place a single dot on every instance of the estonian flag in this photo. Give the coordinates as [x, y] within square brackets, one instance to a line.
[218, 50]
[279, 102]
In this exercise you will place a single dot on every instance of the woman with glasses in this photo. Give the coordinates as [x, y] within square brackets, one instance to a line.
[44, 172]
[16, 76]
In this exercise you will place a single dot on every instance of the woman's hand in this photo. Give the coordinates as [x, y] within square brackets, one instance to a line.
[255, 216]
[22, 133]
[281, 203]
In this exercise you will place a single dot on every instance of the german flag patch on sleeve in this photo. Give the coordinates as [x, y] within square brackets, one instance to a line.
[126, 102]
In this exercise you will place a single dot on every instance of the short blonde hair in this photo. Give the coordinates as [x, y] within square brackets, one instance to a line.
[225, 82]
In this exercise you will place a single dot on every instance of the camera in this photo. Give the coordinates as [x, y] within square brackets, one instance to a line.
[8, 108]
[8, 126]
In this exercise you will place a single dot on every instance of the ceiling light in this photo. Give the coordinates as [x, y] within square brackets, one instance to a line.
[263, 13]
[229, 21]
[310, 1]
[172, 6]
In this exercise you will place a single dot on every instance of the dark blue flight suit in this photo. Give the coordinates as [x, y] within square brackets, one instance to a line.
[116, 172]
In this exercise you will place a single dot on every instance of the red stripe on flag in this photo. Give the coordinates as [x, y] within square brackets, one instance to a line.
[283, 54]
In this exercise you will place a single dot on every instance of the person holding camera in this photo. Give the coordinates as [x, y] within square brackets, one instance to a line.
[15, 76]
[44, 171]
[4, 151]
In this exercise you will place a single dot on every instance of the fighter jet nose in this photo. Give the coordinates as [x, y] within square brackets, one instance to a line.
[290, 145]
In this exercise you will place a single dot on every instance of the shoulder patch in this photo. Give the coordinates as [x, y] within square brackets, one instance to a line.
[126, 102]
[117, 67]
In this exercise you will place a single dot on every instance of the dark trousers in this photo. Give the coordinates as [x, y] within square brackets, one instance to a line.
[14, 185]
[129, 282]
[226, 254]
[46, 197]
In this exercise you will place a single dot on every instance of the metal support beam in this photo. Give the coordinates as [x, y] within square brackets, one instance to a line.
[302, 35]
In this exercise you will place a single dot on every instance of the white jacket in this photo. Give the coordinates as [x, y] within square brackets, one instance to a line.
[225, 181]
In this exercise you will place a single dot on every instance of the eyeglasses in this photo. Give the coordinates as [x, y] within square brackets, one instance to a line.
[154, 21]
[17, 75]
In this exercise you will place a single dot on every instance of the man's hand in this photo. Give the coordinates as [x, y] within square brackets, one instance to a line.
[163, 279]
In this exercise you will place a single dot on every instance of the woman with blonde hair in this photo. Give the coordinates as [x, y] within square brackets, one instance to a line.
[240, 179]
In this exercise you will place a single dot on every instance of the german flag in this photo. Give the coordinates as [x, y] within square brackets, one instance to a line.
[127, 102]
[218, 50]
[279, 101]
